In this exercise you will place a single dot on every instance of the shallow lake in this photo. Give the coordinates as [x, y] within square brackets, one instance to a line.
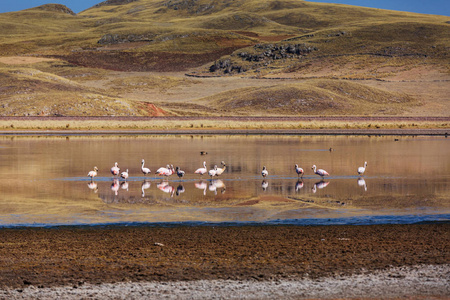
[44, 182]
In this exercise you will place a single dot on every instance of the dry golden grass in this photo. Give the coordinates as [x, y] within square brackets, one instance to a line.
[352, 42]
[163, 124]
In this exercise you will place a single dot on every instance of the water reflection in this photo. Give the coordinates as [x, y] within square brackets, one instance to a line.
[180, 189]
[202, 185]
[412, 176]
[115, 186]
[124, 185]
[264, 185]
[93, 186]
[166, 187]
[299, 185]
[320, 185]
[362, 182]
[216, 184]
[145, 185]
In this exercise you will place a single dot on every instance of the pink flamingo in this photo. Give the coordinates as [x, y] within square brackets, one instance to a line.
[213, 172]
[320, 172]
[299, 170]
[203, 170]
[92, 174]
[143, 169]
[124, 175]
[221, 170]
[115, 170]
[167, 171]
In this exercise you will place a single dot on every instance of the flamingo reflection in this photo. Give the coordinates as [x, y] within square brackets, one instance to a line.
[217, 184]
[299, 185]
[93, 186]
[124, 185]
[202, 185]
[166, 188]
[145, 185]
[320, 185]
[180, 189]
[362, 182]
[264, 185]
[115, 186]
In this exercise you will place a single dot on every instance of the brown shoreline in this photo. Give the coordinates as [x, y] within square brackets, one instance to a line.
[73, 256]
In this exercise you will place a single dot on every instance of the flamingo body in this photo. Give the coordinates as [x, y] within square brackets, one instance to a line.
[221, 170]
[115, 170]
[203, 170]
[92, 174]
[167, 171]
[264, 172]
[361, 170]
[180, 173]
[124, 175]
[144, 169]
[320, 172]
[213, 172]
[299, 170]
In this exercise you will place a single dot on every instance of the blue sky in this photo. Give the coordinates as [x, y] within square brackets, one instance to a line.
[437, 7]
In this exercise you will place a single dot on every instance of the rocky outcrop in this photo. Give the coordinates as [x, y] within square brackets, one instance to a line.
[57, 8]
[114, 2]
[261, 53]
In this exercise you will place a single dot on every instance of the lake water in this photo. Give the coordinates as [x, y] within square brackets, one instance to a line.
[44, 180]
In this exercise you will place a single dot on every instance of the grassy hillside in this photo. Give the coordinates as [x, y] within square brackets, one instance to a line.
[324, 97]
[246, 38]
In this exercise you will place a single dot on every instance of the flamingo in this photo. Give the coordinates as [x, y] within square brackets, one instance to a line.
[320, 172]
[213, 172]
[115, 170]
[167, 171]
[180, 173]
[143, 169]
[92, 174]
[361, 170]
[124, 175]
[264, 172]
[203, 170]
[221, 170]
[299, 170]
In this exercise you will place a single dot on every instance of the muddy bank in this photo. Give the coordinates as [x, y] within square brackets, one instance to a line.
[75, 256]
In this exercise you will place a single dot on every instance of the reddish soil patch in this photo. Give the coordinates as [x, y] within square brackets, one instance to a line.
[153, 110]
[145, 61]
[73, 256]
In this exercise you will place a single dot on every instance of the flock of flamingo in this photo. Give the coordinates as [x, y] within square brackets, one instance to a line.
[214, 184]
[216, 171]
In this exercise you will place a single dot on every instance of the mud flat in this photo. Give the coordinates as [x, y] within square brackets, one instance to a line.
[245, 262]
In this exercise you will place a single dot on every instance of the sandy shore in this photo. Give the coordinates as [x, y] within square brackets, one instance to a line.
[250, 262]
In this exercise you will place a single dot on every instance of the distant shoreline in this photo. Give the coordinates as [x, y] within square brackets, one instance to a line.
[332, 132]
[210, 125]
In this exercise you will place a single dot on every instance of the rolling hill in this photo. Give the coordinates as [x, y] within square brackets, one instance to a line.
[78, 64]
